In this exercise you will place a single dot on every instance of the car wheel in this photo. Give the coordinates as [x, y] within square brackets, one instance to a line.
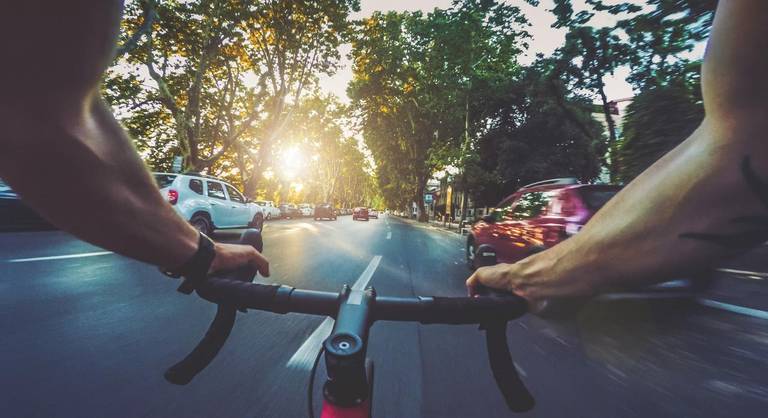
[257, 222]
[202, 224]
[471, 251]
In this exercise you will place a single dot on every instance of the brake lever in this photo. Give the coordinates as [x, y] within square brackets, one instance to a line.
[512, 388]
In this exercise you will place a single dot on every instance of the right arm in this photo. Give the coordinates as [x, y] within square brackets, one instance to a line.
[657, 226]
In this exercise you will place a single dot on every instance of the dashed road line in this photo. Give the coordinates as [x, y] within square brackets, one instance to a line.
[304, 357]
[741, 310]
[58, 257]
[389, 235]
[754, 275]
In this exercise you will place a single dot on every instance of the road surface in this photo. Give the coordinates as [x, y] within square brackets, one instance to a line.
[87, 333]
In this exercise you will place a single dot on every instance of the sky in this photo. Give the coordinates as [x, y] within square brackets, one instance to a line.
[545, 39]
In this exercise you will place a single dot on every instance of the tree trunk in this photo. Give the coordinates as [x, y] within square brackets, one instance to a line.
[420, 200]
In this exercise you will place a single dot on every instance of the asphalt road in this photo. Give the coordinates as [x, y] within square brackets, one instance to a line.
[90, 336]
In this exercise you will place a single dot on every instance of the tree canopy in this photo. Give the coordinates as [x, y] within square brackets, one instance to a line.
[234, 88]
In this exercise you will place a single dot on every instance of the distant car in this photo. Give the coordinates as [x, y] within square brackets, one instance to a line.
[306, 209]
[269, 208]
[289, 211]
[15, 214]
[360, 213]
[324, 211]
[373, 213]
[208, 203]
[536, 217]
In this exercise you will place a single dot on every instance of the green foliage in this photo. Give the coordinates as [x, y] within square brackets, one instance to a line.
[422, 85]
[538, 132]
[652, 40]
[657, 120]
[230, 84]
[659, 37]
[221, 77]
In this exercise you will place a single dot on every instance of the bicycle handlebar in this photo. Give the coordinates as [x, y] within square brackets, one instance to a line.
[423, 309]
[235, 292]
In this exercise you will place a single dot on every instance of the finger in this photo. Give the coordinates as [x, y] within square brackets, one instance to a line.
[471, 283]
[261, 263]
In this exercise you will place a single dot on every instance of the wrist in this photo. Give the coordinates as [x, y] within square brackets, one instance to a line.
[186, 247]
[548, 274]
[196, 268]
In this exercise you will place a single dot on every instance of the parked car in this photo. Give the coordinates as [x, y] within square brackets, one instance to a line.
[289, 211]
[536, 217]
[15, 214]
[360, 213]
[209, 203]
[305, 209]
[373, 213]
[325, 211]
[268, 207]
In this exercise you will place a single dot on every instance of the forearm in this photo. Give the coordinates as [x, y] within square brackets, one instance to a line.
[648, 232]
[693, 207]
[88, 180]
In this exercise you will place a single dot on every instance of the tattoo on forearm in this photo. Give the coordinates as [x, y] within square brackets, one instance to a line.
[758, 224]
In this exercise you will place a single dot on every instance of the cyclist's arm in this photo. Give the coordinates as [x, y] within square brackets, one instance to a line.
[64, 152]
[694, 206]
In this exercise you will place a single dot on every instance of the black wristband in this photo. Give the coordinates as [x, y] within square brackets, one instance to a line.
[196, 268]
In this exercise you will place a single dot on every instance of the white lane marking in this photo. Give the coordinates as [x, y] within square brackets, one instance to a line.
[741, 310]
[520, 370]
[304, 357]
[389, 235]
[57, 257]
[364, 278]
[756, 275]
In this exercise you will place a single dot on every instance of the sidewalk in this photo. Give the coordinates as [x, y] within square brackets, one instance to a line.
[446, 226]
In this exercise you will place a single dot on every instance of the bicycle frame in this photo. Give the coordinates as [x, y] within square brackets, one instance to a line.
[360, 411]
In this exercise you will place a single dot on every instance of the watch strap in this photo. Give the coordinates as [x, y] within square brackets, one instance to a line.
[196, 268]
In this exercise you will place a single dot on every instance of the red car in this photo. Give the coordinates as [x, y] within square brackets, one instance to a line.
[536, 217]
[360, 213]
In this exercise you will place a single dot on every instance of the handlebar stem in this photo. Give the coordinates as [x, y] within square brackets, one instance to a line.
[346, 348]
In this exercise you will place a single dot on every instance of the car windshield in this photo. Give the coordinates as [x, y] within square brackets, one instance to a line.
[164, 180]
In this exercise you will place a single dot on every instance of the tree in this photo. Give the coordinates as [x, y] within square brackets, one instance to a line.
[226, 74]
[661, 36]
[657, 120]
[386, 60]
[192, 52]
[589, 55]
[291, 43]
[421, 83]
[539, 130]
[474, 57]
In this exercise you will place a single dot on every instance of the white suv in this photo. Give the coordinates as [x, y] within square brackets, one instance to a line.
[270, 210]
[306, 209]
[209, 203]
